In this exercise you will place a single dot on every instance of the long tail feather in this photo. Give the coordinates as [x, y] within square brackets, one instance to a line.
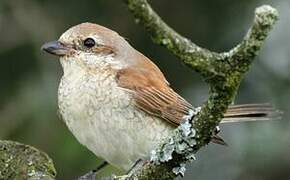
[251, 112]
[247, 112]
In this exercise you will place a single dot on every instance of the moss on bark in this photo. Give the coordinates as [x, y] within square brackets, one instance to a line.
[19, 161]
[222, 71]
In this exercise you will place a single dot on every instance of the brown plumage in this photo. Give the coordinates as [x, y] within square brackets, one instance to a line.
[153, 95]
[152, 92]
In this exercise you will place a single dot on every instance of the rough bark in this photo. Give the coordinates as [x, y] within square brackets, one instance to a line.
[19, 161]
[222, 71]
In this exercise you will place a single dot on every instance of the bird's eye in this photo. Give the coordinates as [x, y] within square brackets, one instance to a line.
[89, 42]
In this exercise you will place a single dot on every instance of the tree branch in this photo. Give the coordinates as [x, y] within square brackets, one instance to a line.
[200, 59]
[19, 161]
[222, 71]
[243, 54]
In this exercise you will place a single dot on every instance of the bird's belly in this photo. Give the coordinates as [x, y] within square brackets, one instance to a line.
[104, 119]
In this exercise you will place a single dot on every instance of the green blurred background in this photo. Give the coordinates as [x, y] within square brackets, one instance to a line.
[29, 80]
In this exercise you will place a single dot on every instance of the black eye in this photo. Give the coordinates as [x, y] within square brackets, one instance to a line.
[89, 42]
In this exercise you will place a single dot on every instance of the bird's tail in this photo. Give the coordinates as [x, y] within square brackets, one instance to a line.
[251, 112]
[248, 112]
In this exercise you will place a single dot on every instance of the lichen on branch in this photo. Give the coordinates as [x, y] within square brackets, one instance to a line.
[19, 161]
[222, 71]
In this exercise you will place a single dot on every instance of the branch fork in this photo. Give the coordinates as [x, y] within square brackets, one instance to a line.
[222, 71]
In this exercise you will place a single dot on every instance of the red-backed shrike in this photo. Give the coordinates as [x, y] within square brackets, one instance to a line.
[115, 100]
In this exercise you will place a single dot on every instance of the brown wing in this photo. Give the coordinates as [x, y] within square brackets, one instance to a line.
[152, 92]
[153, 95]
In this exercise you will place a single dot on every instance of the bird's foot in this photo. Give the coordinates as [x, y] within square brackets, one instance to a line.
[89, 176]
[123, 177]
[137, 165]
[92, 174]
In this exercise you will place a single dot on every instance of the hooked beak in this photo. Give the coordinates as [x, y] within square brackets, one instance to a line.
[56, 48]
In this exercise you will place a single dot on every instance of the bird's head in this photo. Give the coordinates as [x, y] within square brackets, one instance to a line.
[91, 46]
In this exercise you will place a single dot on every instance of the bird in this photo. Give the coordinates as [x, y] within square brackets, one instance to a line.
[116, 101]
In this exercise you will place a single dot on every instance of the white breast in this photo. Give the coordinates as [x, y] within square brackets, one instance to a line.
[103, 117]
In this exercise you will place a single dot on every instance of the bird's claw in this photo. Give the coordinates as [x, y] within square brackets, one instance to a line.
[89, 176]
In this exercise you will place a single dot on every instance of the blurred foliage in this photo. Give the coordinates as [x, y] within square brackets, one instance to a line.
[29, 79]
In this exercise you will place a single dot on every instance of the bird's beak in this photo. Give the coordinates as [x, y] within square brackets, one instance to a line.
[56, 48]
